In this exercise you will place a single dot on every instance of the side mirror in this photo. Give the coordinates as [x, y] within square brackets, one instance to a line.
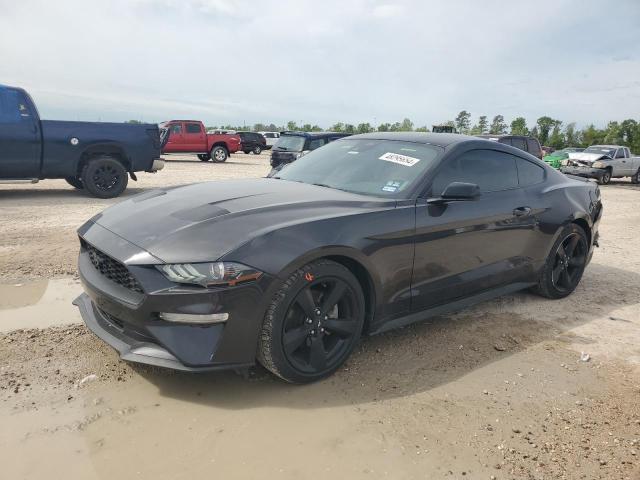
[458, 191]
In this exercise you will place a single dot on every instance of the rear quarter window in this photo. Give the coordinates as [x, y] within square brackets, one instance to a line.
[529, 173]
[519, 143]
[533, 146]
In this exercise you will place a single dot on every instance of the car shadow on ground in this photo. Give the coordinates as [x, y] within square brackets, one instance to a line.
[70, 196]
[422, 356]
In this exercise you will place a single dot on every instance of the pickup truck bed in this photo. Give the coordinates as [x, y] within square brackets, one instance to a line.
[97, 157]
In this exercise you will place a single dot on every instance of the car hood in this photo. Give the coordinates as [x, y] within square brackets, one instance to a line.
[587, 158]
[203, 222]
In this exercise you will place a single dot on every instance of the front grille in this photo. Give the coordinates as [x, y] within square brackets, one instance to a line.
[112, 269]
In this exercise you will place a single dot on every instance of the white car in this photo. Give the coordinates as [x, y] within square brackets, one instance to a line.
[271, 138]
[603, 162]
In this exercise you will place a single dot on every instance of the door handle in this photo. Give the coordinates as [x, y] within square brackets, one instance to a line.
[522, 211]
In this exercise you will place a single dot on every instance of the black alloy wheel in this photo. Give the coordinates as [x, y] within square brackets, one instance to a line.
[257, 150]
[570, 260]
[104, 177]
[313, 323]
[75, 182]
[606, 177]
[635, 179]
[319, 325]
[204, 157]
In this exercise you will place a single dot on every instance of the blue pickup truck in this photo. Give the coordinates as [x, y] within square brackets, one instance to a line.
[96, 157]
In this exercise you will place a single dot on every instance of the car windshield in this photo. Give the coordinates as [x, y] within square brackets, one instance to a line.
[293, 143]
[385, 168]
[601, 151]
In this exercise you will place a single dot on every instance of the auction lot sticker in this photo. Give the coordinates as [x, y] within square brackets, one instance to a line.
[399, 159]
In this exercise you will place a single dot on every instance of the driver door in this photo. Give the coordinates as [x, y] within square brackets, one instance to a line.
[463, 248]
[19, 136]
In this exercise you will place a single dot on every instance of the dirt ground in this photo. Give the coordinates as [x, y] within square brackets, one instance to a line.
[496, 391]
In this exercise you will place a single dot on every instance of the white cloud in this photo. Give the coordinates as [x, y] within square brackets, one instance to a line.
[233, 61]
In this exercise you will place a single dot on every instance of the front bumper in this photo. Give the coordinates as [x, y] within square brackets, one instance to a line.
[587, 172]
[128, 319]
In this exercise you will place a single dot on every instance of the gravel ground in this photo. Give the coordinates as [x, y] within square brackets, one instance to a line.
[495, 391]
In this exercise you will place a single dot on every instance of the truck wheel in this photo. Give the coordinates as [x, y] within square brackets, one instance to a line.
[75, 182]
[104, 177]
[636, 178]
[606, 177]
[257, 150]
[219, 154]
[204, 157]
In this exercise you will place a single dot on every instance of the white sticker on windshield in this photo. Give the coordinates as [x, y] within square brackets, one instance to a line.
[399, 159]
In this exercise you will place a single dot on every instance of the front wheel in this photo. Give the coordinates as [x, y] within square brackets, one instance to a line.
[606, 177]
[565, 265]
[104, 177]
[636, 177]
[204, 157]
[75, 182]
[219, 154]
[313, 323]
[257, 150]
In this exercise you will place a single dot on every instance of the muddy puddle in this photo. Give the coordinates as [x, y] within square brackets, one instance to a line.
[38, 304]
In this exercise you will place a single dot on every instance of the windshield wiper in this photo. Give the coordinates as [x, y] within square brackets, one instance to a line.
[323, 185]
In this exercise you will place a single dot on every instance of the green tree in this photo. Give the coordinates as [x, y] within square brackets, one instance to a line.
[592, 136]
[630, 134]
[463, 122]
[348, 128]
[316, 128]
[307, 127]
[613, 135]
[545, 124]
[422, 129]
[384, 127]
[519, 126]
[572, 137]
[292, 126]
[337, 127]
[556, 140]
[135, 122]
[364, 128]
[498, 126]
[406, 125]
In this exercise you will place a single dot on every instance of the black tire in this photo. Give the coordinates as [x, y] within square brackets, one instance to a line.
[635, 179]
[204, 157]
[565, 265]
[257, 150]
[606, 177]
[104, 177]
[75, 182]
[219, 154]
[320, 334]
[246, 152]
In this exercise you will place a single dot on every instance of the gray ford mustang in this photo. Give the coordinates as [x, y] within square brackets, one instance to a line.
[365, 234]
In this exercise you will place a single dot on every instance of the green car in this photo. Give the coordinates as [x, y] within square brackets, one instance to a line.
[555, 159]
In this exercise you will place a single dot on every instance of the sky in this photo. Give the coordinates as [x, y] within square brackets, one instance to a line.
[321, 62]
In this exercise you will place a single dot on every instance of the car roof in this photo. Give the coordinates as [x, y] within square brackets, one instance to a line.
[439, 139]
[607, 146]
[502, 135]
[314, 134]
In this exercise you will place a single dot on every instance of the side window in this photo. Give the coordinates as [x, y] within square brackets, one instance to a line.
[176, 129]
[529, 173]
[626, 152]
[492, 171]
[519, 143]
[620, 153]
[193, 128]
[316, 143]
[14, 107]
[533, 147]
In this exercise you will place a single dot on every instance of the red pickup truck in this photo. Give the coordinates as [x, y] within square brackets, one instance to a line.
[190, 136]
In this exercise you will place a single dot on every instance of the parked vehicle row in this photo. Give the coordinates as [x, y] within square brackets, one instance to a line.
[96, 157]
[556, 157]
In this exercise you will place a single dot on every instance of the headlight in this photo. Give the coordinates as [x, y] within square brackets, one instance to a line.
[599, 164]
[208, 274]
[301, 154]
[565, 162]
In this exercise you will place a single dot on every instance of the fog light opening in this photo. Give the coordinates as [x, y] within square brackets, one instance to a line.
[194, 318]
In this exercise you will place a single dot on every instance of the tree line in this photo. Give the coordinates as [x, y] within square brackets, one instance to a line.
[551, 132]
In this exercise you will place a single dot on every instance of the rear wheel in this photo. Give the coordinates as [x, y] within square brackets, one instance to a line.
[565, 265]
[313, 323]
[204, 157]
[104, 177]
[606, 177]
[257, 150]
[75, 182]
[219, 154]
[636, 177]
